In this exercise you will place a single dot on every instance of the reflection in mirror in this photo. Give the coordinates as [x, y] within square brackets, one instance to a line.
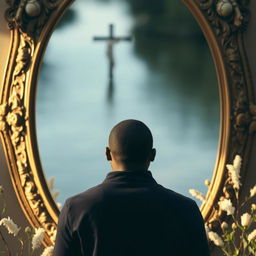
[164, 76]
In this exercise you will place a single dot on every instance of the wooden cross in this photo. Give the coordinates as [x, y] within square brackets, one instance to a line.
[111, 41]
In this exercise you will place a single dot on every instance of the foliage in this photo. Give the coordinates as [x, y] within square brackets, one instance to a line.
[238, 238]
[34, 237]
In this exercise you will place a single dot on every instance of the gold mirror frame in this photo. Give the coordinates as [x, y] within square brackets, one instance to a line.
[31, 28]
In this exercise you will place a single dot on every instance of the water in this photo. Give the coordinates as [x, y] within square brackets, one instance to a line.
[168, 84]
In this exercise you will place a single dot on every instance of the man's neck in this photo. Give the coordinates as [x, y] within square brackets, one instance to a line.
[130, 167]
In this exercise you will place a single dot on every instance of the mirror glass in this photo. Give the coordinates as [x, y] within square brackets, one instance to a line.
[157, 68]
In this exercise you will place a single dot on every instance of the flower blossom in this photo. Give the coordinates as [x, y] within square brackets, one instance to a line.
[207, 230]
[1, 190]
[252, 235]
[59, 205]
[234, 171]
[28, 230]
[253, 191]
[237, 162]
[38, 238]
[246, 219]
[10, 225]
[55, 194]
[214, 237]
[224, 225]
[48, 251]
[53, 237]
[51, 183]
[207, 183]
[227, 206]
[197, 194]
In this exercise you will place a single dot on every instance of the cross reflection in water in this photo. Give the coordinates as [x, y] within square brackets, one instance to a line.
[111, 40]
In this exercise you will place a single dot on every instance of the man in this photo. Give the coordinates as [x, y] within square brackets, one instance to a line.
[129, 213]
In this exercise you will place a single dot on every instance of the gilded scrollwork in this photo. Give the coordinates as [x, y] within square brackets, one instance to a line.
[13, 120]
[238, 17]
[24, 17]
[29, 15]
[226, 8]
[229, 19]
[252, 127]
[3, 112]
[227, 30]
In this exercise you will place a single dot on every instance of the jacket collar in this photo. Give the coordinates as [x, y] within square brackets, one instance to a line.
[130, 177]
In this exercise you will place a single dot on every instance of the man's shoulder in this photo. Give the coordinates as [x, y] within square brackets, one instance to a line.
[87, 198]
[177, 197]
[97, 192]
[95, 196]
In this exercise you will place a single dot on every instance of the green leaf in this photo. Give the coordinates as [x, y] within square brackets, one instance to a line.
[229, 237]
[245, 244]
[253, 243]
[250, 250]
[236, 252]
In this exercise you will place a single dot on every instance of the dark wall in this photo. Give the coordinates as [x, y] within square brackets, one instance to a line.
[250, 41]
[250, 46]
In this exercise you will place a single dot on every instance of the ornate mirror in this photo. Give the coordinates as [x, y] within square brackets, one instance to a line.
[155, 76]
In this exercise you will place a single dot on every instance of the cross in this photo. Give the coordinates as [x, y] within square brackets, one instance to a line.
[111, 41]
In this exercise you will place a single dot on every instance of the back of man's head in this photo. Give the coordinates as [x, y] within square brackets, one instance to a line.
[131, 141]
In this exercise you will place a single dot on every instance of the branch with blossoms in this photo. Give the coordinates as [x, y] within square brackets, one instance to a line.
[34, 237]
[238, 238]
[54, 192]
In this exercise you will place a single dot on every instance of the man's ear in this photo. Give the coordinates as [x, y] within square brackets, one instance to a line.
[108, 155]
[153, 154]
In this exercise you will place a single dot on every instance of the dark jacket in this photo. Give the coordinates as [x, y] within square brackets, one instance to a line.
[130, 214]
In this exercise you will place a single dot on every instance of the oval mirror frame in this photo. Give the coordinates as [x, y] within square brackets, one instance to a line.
[31, 29]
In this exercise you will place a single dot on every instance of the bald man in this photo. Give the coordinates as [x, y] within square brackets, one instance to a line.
[129, 213]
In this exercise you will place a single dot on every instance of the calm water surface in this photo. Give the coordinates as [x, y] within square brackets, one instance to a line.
[168, 84]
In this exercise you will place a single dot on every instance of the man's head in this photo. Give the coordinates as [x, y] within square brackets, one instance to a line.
[130, 146]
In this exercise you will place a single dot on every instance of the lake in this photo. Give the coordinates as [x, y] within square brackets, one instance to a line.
[164, 77]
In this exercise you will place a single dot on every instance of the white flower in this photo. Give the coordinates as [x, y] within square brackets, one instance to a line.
[48, 251]
[51, 186]
[237, 162]
[234, 171]
[253, 191]
[51, 183]
[59, 205]
[10, 225]
[224, 225]
[38, 238]
[215, 238]
[234, 226]
[53, 237]
[55, 194]
[253, 207]
[197, 194]
[246, 219]
[227, 206]
[1, 190]
[207, 230]
[252, 235]
[207, 183]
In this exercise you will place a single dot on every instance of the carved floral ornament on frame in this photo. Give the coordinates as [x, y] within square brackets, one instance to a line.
[31, 22]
